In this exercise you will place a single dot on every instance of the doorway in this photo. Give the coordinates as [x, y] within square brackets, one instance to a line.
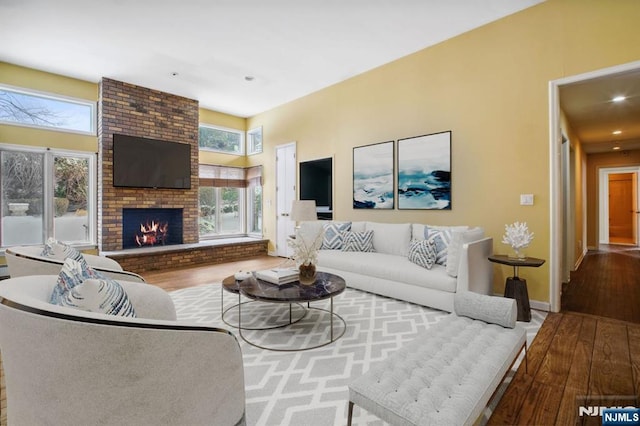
[285, 194]
[558, 230]
[618, 205]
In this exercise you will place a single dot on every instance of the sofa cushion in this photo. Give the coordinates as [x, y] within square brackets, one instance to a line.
[441, 238]
[358, 226]
[391, 238]
[490, 309]
[333, 238]
[388, 267]
[103, 295]
[417, 229]
[422, 253]
[458, 239]
[59, 250]
[358, 241]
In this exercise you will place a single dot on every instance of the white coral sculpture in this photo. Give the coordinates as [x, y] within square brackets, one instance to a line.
[517, 235]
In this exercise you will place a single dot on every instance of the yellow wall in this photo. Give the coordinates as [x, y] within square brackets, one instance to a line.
[490, 88]
[28, 78]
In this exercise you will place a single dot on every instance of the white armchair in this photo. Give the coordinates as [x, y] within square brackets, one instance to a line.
[66, 366]
[26, 260]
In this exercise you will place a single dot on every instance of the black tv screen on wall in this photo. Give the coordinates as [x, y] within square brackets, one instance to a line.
[150, 163]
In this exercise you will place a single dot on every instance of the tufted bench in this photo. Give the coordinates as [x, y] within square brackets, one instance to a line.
[447, 375]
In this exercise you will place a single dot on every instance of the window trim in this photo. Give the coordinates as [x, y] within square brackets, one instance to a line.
[252, 132]
[48, 190]
[224, 129]
[53, 96]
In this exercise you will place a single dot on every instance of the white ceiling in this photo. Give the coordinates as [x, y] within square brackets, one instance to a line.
[290, 47]
[594, 116]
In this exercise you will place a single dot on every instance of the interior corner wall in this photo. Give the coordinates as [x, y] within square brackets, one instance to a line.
[490, 87]
[137, 111]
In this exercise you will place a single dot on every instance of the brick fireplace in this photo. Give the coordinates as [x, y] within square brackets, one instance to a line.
[137, 111]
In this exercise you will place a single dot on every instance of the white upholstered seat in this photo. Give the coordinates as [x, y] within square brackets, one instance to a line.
[69, 367]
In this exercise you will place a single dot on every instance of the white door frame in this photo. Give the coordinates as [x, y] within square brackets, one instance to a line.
[283, 230]
[603, 193]
[555, 171]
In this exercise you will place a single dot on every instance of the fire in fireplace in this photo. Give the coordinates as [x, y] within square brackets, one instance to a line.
[151, 227]
[152, 233]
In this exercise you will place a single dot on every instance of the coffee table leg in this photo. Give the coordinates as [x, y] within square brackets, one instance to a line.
[331, 319]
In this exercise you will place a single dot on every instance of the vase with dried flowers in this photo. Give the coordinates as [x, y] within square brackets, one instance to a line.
[305, 254]
[517, 235]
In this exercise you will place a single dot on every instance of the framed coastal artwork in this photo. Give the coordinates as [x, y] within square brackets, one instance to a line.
[373, 175]
[424, 172]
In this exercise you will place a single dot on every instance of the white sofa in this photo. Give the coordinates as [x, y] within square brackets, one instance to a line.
[27, 260]
[65, 366]
[388, 271]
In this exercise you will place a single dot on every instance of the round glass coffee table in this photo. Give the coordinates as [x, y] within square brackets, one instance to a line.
[326, 286]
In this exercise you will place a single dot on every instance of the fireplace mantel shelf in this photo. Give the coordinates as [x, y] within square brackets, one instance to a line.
[180, 247]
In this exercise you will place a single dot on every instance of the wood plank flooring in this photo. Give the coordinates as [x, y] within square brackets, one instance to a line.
[575, 359]
[606, 284]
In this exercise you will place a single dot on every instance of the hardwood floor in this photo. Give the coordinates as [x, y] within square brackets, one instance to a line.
[575, 360]
[607, 284]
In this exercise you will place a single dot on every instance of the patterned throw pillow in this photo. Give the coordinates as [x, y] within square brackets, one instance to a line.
[422, 253]
[102, 295]
[358, 241]
[59, 250]
[333, 235]
[442, 238]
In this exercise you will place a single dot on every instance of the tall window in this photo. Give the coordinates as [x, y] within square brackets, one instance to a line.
[254, 200]
[34, 109]
[220, 139]
[46, 193]
[254, 141]
[222, 205]
[230, 201]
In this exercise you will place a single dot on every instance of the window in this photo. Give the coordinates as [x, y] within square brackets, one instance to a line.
[254, 141]
[230, 201]
[29, 108]
[46, 193]
[220, 139]
[222, 201]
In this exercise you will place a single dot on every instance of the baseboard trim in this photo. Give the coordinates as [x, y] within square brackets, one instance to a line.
[534, 304]
[580, 259]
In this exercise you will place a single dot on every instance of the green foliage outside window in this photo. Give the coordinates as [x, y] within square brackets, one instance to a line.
[220, 140]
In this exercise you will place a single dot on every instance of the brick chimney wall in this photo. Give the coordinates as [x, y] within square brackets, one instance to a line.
[137, 111]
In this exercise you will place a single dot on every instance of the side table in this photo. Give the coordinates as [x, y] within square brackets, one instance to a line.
[516, 287]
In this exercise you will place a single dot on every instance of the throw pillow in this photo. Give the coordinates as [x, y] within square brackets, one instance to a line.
[422, 253]
[358, 241]
[59, 250]
[442, 238]
[104, 296]
[71, 274]
[458, 238]
[108, 297]
[333, 238]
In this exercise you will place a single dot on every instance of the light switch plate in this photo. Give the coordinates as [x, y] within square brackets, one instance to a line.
[526, 199]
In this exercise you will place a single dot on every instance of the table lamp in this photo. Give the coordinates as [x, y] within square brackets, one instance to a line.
[303, 211]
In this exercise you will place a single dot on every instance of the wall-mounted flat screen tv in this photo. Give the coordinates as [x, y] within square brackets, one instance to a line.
[150, 163]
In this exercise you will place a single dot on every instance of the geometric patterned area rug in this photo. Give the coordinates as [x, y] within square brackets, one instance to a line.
[310, 387]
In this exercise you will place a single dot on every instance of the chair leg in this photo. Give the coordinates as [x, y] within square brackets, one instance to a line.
[350, 413]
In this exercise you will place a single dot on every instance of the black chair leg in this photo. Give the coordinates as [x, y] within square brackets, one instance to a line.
[350, 413]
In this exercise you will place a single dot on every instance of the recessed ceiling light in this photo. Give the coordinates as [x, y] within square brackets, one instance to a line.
[174, 74]
[617, 132]
[249, 78]
[616, 148]
[619, 98]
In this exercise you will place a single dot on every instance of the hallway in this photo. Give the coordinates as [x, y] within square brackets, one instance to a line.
[607, 284]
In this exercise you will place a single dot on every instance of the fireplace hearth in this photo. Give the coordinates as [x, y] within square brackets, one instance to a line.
[151, 227]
